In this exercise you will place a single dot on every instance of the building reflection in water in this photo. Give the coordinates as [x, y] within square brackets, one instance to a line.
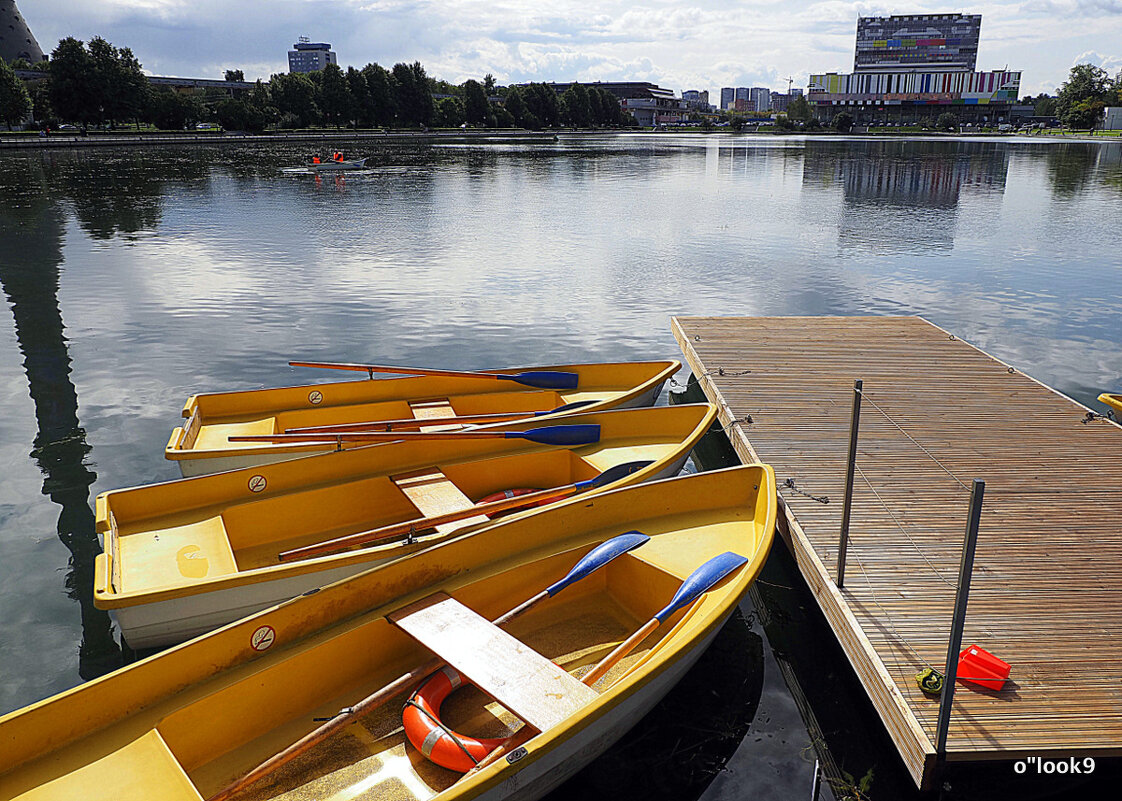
[900, 196]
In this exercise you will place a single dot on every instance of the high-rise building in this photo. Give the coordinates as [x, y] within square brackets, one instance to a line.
[947, 42]
[759, 98]
[728, 95]
[16, 39]
[307, 56]
[913, 67]
[696, 99]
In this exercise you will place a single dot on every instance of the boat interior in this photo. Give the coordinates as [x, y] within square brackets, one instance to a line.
[209, 733]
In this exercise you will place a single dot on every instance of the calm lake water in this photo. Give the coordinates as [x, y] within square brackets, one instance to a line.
[137, 278]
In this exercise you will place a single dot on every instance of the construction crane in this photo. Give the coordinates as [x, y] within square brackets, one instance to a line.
[790, 81]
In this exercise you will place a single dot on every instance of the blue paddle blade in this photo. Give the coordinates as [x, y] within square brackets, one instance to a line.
[598, 557]
[700, 580]
[559, 435]
[613, 474]
[543, 379]
[568, 407]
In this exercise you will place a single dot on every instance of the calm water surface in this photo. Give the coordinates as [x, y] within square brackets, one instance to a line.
[136, 279]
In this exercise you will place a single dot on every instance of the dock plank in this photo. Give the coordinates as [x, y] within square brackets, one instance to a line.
[937, 413]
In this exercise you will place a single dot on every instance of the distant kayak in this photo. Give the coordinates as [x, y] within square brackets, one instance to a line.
[353, 164]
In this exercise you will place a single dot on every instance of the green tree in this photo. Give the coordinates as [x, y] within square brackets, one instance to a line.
[294, 95]
[1085, 114]
[947, 122]
[799, 109]
[576, 108]
[1086, 83]
[449, 112]
[72, 85]
[489, 84]
[515, 106]
[1044, 106]
[414, 98]
[843, 122]
[120, 86]
[503, 118]
[477, 109]
[15, 102]
[383, 94]
[335, 96]
[173, 111]
[542, 104]
[235, 75]
[362, 110]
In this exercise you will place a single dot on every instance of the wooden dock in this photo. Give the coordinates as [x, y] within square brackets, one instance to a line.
[1046, 593]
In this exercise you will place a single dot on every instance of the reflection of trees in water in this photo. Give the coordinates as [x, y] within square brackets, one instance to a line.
[676, 749]
[903, 196]
[30, 226]
[1070, 166]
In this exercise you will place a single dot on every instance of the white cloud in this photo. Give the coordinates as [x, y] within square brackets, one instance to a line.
[691, 44]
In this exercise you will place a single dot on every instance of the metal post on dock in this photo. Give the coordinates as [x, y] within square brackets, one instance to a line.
[843, 543]
[958, 623]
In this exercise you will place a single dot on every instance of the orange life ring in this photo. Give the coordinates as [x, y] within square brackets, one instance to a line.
[511, 493]
[428, 735]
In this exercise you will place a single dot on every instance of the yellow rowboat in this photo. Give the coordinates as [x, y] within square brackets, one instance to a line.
[201, 445]
[188, 722]
[184, 557]
[1114, 402]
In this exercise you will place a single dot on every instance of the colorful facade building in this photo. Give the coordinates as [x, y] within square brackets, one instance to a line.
[915, 74]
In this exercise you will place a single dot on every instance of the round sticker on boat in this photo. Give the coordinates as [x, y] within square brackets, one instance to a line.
[257, 483]
[315, 397]
[263, 638]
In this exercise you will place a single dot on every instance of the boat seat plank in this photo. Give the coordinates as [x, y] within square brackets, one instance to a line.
[508, 670]
[434, 409]
[433, 493]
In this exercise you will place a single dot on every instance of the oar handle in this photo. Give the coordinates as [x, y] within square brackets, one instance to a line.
[619, 652]
[395, 530]
[367, 436]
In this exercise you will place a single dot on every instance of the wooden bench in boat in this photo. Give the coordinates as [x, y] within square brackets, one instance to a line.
[508, 670]
[434, 410]
[433, 493]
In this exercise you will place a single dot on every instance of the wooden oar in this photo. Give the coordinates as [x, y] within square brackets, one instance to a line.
[696, 584]
[566, 436]
[592, 561]
[395, 530]
[540, 379]
[406, 423]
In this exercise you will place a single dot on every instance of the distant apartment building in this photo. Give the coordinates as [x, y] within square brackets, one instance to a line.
[779, 101]
[728, 96]
[913, 66]
[759, 98]
[309, 56]
[696, 99]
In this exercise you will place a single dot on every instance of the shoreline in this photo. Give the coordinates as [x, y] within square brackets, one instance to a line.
[28, 142]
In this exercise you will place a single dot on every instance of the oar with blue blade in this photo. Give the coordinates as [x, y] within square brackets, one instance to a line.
[694, 586]
[408, 528]
[539, 379]
[697, 584]
[409, 423]
[563, 436]
[588, 564]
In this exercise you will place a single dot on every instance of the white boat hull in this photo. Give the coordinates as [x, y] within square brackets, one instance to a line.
[327, 166]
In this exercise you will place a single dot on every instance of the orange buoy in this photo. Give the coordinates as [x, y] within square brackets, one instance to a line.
[432, 738]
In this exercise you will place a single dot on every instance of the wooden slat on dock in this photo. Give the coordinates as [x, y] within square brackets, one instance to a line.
[1046, 593]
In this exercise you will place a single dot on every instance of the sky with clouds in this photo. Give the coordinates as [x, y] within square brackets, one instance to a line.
[703, 44]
